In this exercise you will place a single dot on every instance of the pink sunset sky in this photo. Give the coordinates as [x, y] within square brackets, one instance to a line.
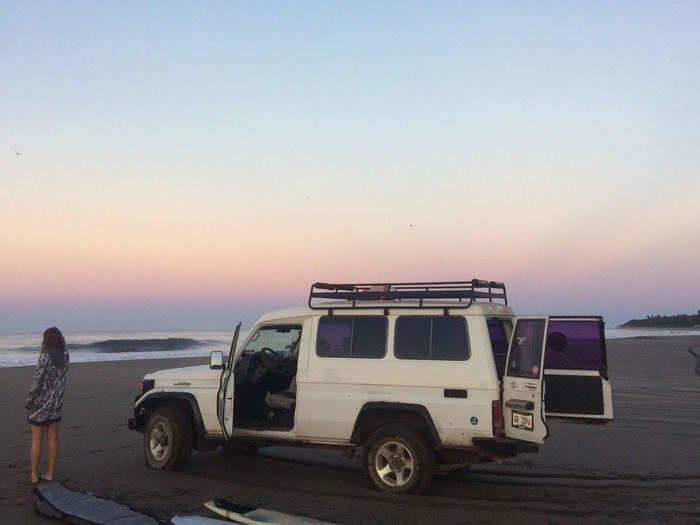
[155, 176]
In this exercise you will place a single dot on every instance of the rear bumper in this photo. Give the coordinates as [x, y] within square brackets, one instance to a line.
[501, 448]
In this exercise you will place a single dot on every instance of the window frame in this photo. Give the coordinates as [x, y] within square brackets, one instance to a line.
[352, 336]
[432, 318]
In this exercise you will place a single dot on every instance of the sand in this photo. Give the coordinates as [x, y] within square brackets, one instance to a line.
[644, 466]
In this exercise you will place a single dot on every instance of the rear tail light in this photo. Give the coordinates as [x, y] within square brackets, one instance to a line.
[497, 418]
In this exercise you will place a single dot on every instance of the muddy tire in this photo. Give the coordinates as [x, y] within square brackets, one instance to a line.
[398, 460]
[167, 439]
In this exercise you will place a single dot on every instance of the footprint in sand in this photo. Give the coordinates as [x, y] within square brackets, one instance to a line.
[692, 352]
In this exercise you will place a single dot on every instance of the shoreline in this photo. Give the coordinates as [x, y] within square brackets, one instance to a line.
[203, 353]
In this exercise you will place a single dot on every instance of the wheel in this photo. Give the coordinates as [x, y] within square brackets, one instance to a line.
[399, 460]
[167, 440]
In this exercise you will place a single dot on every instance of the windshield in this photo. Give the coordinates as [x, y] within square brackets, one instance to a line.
[278, 338]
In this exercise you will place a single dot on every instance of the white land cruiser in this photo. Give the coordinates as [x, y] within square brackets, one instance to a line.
[415, 376]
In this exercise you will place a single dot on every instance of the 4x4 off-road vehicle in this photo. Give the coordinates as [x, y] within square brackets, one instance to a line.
[415, 376]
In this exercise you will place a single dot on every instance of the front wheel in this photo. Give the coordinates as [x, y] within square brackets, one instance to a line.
[167, 439]
[399, 460]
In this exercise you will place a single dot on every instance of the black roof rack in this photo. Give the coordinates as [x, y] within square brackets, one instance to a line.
[447, 294]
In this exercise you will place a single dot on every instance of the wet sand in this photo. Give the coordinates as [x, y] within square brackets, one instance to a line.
[644, 466]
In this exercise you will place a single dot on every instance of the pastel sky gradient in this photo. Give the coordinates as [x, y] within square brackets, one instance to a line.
[185, 166]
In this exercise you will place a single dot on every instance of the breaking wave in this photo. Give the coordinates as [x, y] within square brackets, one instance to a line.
[168, 344]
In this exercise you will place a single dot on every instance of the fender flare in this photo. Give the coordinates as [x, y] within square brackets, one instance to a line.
[151, 398]
[392, 407]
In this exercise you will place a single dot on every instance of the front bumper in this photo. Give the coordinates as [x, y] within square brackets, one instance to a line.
[138, 420]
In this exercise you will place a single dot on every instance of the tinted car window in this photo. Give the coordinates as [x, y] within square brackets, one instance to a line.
[437, 338]
[369, 337]
[574, 345]
[412, 339]
[334, 336]
[499, 344]
[497, 334]
[449, 340]
[526, 348]
[361, 336]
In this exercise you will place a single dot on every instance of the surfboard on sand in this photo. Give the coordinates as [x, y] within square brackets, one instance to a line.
[251, 516]
[54, 500]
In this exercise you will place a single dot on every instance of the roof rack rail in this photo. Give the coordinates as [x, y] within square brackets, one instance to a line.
[446, 294]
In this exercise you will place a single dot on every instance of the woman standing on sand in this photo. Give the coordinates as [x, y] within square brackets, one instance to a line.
[45, 399]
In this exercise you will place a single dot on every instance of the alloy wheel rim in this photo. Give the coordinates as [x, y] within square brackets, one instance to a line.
[394, 464]
[159, 442]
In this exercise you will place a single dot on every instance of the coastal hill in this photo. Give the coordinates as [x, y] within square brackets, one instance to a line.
[666, 321]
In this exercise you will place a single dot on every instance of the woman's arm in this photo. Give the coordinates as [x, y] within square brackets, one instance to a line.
[37, 381]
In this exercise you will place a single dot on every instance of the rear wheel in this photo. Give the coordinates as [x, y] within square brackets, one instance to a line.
[399, 460]
[167, 439]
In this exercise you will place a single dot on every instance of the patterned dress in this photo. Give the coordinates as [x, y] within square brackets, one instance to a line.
[45, 399]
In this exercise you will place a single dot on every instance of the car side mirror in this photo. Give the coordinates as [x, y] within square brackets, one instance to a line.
[216, 360]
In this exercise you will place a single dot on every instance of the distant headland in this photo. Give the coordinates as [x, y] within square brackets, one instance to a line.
[665, 321]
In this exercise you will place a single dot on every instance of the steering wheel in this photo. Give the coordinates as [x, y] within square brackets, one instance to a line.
[268, 357]
[264, 359]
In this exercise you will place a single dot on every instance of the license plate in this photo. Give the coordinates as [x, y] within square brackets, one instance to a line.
[522, 420]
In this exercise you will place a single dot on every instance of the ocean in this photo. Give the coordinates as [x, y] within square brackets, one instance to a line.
[22, 349]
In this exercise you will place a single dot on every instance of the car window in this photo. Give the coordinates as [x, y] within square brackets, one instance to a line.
[436, 338]
[334, 337]
[278, 338]
[412, 340]
[574, 345]
[369, 337]
[499, 343]
[361, 337]
[449, 342]
[497, 334]
[526, 348]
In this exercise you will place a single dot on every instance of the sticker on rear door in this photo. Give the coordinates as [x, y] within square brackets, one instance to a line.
[522, 420]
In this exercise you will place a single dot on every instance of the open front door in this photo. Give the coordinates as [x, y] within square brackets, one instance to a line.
[576, 370]
[523, 411]
[224, 398]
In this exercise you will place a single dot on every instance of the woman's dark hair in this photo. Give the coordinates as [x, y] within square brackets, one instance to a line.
[54, 344]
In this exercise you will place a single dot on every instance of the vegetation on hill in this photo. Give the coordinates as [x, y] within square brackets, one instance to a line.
[666, 321]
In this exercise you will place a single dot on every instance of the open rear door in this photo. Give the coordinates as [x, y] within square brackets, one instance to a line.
[576, 385]
[523, 411]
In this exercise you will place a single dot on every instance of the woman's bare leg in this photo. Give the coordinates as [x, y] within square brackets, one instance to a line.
[52, 447]
[37, 442]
